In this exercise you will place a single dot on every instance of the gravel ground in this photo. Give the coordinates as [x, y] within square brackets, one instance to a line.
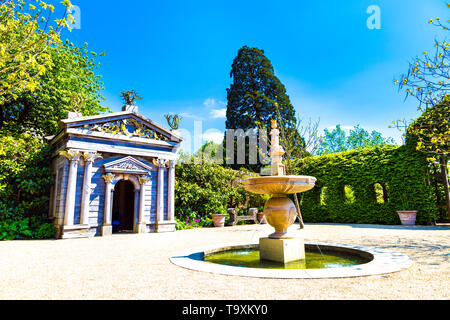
[131, 266]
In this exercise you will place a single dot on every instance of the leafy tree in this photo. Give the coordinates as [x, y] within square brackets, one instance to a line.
[26, 34]
[41, 79]
[337, 140]
[207, 151]
[333, 141]
[57, 93]
[256, 94]
[427, 81]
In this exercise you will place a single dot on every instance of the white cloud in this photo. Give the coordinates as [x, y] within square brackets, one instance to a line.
[217, 108]
[213, 103]
[213, 135]
[219, 113]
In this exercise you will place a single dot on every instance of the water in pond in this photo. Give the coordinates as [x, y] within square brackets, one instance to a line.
[249, 258]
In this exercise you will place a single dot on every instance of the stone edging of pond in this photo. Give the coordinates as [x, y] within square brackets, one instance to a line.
[383, 261]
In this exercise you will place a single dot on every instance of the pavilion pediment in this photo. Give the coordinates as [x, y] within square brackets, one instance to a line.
[128, 127]
[122, 125]
[127, 165]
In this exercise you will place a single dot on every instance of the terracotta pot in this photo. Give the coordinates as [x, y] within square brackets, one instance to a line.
[219, 220]
[261, 218]
[408, 218]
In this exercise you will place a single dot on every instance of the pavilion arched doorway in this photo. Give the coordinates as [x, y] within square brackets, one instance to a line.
[123, 207]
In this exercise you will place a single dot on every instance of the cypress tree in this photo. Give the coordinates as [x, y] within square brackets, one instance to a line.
[256, 95]
[254, 92]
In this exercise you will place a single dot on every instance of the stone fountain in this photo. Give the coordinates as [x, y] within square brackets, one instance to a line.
[280, 211]
[284, 254]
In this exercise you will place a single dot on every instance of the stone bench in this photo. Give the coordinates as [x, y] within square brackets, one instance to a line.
[234, 217]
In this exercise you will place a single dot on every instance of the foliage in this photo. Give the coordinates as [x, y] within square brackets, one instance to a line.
[401, 170]
[210, 152]
[254, 91]
[26, 34]
[427, 81]
[41, 80]
[427, 76]
[205, 188]
[358, 138]
[432, 129]
[57, 93]
[25, 182]
[44, 230]
[257, 94]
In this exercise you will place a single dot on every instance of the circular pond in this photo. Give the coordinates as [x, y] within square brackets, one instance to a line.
[322, 261]
[316, 258]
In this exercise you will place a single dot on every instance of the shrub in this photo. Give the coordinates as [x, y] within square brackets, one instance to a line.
[44, 230]
[25, 182]
[207, 188]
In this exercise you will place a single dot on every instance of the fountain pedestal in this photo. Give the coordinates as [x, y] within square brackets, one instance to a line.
[281, 246]
[282, 250]
[280, 213]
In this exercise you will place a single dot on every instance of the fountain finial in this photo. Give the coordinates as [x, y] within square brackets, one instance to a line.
[276, 152]
[274, 124]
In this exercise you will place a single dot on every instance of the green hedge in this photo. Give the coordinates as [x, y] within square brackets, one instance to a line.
[401, 170]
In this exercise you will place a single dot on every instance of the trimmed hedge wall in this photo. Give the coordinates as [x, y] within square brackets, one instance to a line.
[401, 171]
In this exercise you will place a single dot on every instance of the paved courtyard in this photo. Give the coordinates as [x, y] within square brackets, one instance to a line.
[131, 266]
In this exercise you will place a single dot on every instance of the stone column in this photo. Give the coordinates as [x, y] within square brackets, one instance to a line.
[161, 164]
[89, 158]
[55, 194]
[141, 227]
[171, 192]
[107, 212]
[69, 212]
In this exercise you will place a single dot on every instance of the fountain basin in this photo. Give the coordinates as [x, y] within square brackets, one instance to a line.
[279, 185]
[315, 258]
[280, 211]
[382, 262]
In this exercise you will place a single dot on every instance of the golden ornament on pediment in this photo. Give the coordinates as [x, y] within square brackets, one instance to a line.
[128, 127]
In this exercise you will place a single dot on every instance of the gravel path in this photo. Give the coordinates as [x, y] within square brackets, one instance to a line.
[131, 266]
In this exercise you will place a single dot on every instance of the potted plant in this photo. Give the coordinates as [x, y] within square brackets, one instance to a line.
[218, 217]
[261, 216]
[406, 215]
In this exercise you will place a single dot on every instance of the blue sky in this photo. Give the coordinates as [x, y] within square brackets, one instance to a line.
[178, 55]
